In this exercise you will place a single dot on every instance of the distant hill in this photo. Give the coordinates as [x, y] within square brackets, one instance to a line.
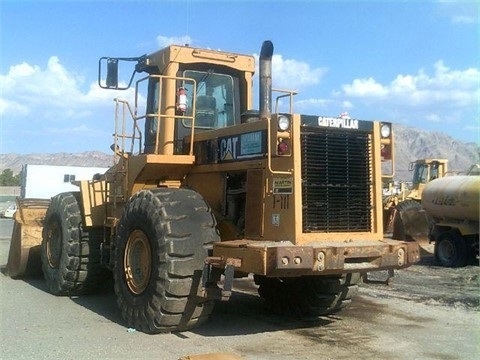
[88, 158]
[410, 144]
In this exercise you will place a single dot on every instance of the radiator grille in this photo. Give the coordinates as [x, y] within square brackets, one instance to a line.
[337, 181]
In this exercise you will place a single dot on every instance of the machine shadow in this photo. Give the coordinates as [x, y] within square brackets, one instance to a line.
[242, 314]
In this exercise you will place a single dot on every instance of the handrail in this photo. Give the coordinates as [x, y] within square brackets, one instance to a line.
[288, 93]
[123, 106]
[120, 136]
[159, 115]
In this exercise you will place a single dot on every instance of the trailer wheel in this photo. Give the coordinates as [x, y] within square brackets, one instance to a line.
[307, 295]
[70, 255]
[162, 241]
[450, 249]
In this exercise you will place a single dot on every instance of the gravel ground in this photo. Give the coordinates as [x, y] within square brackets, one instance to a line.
[427, 312]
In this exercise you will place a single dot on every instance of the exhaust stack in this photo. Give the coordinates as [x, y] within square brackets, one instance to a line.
[265, 75]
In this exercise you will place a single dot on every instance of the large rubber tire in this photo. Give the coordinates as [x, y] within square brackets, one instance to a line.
[162, 241]
[307, 295]
[399, 232]
[450, 249]
[70, 255]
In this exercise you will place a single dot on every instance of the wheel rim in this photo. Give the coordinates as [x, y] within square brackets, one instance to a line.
[54, 244]
[446, 251]
[137, 262]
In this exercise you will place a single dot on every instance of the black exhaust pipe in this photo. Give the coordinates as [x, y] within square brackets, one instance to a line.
[265, 75]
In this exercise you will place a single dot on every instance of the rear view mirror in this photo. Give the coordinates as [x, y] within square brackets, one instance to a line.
[112, 73]
[116, 68]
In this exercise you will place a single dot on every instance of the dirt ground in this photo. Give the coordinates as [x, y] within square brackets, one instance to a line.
[430, 284]
[427, 312]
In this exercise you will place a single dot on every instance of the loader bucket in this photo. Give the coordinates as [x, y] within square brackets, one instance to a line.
[411, 222]
[24, 253]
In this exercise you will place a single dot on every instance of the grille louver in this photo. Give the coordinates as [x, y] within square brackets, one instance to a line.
[336, 180]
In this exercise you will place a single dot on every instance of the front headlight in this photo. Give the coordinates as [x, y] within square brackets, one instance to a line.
[385, 130]
[283, 123]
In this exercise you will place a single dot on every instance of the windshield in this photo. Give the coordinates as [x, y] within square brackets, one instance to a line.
[215, 105]
[421, 173]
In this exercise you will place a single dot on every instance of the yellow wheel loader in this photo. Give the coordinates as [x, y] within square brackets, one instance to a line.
[204, 189]
[406, 217]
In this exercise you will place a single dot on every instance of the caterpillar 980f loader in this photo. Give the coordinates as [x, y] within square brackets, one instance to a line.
[204, 189]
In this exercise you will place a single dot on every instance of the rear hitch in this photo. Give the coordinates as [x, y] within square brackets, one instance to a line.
[212, 271]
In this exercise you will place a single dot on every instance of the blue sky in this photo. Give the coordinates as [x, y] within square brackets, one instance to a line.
[410, 62]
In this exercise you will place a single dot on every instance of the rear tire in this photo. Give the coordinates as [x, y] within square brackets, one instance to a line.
[307, 295]
[450, 249]
[70, 255]
[162, 241]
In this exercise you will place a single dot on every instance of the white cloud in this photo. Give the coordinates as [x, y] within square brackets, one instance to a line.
[433, 118]
[28, 86]
[50, 93]
[443, 97]
[347, 105]
[316, 103]
[459, 12]
[445, 88]
[365, 88]
[12, 107]
[46, 105]
[331, 107]
[164, 41]
[292, 74]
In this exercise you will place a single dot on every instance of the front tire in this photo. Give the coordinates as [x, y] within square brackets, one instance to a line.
[70, 254]
[162, 241]
[307, 295]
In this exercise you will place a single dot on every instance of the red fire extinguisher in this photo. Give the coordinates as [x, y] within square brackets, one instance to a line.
[182, 99]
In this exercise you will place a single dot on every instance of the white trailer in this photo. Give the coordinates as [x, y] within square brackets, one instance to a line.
[45, 181]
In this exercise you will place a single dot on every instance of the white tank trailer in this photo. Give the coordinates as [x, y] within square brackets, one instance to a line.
[453, 204]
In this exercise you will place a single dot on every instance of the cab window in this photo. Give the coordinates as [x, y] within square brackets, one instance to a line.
[420, 174]
[215, 106]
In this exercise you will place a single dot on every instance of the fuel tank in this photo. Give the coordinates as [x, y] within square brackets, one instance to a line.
[454, 197]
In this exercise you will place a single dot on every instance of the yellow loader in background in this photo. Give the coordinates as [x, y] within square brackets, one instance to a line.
[404, 215]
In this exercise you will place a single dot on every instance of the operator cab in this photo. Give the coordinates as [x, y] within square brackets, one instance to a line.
[213, 96]
[212, 100]
[427, 170]
[183, 87]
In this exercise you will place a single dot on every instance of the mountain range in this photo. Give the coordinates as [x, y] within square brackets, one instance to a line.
[410, 144]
